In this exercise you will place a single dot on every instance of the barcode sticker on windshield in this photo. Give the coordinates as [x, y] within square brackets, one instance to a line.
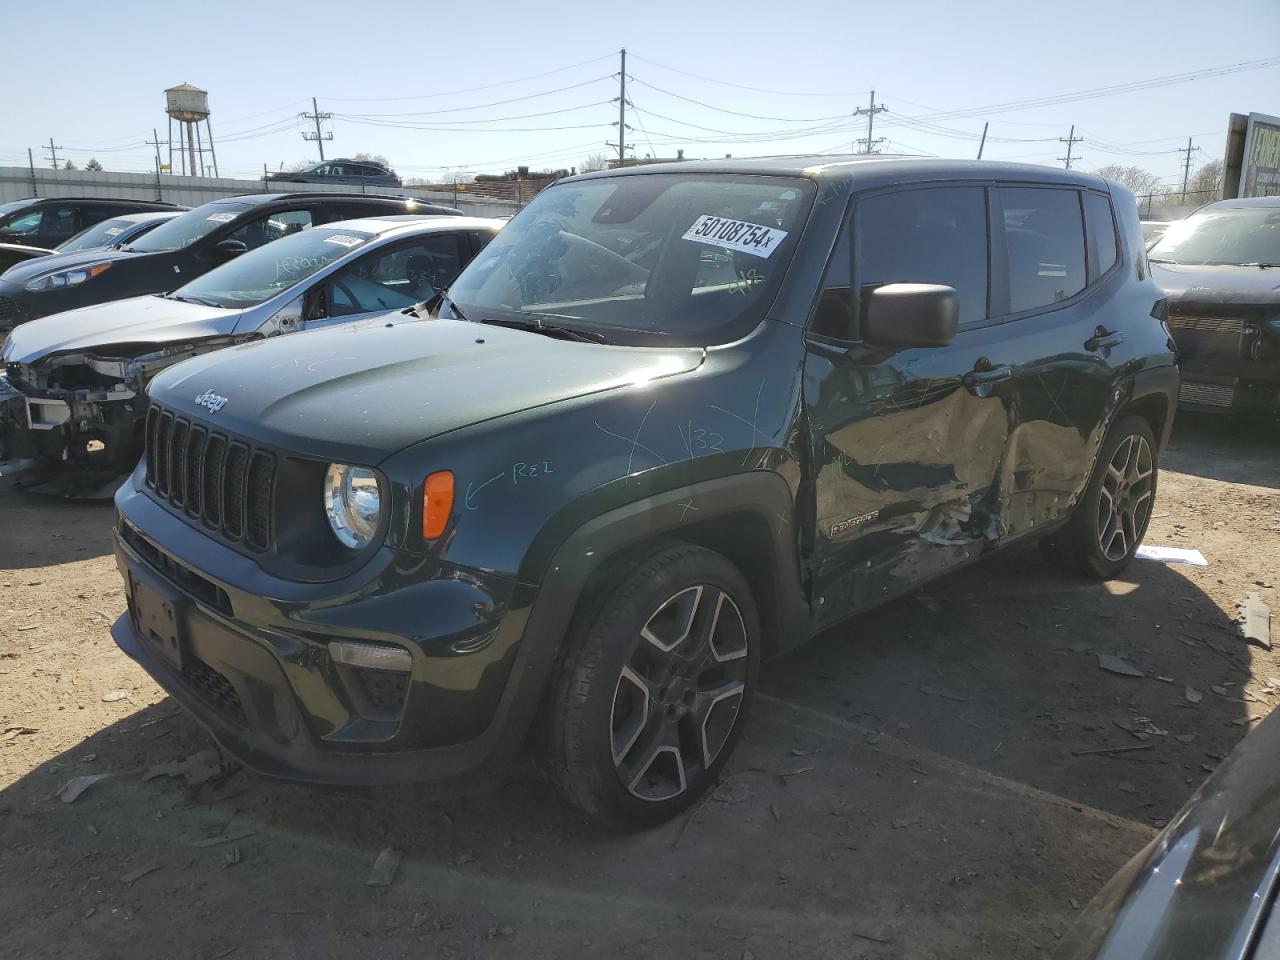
[112, 231]
[221, 217]
[343, 240]
[736, 235]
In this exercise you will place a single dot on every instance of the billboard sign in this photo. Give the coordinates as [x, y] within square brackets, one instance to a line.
[1252, 163]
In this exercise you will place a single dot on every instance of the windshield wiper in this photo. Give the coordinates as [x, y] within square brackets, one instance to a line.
[549, 329]
[200, 300]
[1261, 266]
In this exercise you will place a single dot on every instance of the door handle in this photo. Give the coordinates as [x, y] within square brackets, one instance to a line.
[987, 375]
[1103, 339]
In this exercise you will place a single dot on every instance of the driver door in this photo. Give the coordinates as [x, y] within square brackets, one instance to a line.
[389, 278]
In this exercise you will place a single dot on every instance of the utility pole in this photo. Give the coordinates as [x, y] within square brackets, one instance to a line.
[31, 165]
[1186, 167]
[622, 111]
[870, 113]
[155, 142]
[1070, 140]
[317, 116]
[53, 153]
[982, 143]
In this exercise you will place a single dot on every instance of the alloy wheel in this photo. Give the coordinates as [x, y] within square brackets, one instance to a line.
[1125, 498]
[679, 694]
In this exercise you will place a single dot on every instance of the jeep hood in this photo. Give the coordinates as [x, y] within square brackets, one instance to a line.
[361, 392]
[149, 319]
[1245, 291]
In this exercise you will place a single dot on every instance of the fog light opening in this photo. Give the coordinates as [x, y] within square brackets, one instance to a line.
[371, 656]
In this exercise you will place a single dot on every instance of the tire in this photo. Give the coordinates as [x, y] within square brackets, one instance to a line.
[654, 688]
[1108, 524]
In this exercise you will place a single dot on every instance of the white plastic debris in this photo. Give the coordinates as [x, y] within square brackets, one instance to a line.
[1172, 555]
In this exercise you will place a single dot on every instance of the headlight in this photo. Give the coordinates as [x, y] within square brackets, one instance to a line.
[353, 502]
[67, 278]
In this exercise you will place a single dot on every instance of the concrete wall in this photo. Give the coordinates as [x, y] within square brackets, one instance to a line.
[17, 183]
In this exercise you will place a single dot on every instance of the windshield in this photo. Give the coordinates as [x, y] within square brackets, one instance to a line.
[676, 259]
[187, 228]
[260, 274]
[99, 235]
[1242, 235]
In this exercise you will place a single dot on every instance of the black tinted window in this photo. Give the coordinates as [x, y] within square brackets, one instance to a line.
[396, 278]
[834, 316]
[1044, 236]
[933, 235]
[1102, 234]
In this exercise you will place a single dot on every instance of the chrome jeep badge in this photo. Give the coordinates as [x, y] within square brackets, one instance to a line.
[211, 400]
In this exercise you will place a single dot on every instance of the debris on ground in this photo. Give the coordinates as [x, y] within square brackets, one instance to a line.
[1124, 749]
[1257, 621]
[904, 823]
[196, 769]
[72, 789]
[228, 836]
[112, 696]
[231, 857]
[12, 733]
[1171, 555]
[1114, 664]
[135, 875]
[384, 868]
[1185, 737]
[1192, 695]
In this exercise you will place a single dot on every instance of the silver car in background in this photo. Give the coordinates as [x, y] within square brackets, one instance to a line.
[72, 411]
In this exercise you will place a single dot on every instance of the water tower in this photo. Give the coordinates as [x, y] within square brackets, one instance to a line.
[190, 107]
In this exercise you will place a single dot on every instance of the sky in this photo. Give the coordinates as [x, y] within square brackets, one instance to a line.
[438, 89]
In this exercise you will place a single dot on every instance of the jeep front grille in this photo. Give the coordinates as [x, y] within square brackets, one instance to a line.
[211, 476]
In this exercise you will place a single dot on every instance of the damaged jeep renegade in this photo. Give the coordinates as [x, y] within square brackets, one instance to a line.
[672, 421]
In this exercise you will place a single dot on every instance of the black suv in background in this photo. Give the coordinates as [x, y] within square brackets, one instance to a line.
[1221, 269]
[673, 420]
[180, 250]
[351, 172]
[48, 221]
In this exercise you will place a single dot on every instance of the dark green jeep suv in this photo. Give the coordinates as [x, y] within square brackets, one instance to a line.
[673, 420]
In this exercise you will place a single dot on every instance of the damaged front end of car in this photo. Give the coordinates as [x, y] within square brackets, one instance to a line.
[71, 423]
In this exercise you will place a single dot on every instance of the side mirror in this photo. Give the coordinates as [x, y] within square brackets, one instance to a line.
[911, 315]
[225, 250]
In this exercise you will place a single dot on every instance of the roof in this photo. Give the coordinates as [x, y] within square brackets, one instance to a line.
[260, 198]
[157, 204]
[866, 169]
[416, 223]
[146, 216]
[1242, 203]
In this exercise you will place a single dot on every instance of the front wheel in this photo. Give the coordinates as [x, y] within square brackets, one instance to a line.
[654, 690]
[1111, 519]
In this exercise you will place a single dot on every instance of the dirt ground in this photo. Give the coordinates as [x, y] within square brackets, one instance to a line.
[910, 785]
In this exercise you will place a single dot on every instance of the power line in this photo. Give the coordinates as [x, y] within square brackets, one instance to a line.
[739, 86]
[488, 86]
[521, 116]
[495, 103]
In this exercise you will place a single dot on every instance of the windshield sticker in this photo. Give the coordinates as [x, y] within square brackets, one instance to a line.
[112, 231]
[343, 240]
[221, 217]
[735, 235]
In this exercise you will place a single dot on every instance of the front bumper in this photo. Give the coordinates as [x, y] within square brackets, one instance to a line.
[248, 656]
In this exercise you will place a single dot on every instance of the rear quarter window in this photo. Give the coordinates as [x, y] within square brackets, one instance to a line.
[1101, 228]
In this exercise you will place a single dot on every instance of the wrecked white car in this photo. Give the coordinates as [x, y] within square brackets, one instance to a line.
[73, 400]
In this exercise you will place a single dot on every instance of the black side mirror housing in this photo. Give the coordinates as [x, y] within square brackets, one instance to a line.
[225, 250]
[911, 315]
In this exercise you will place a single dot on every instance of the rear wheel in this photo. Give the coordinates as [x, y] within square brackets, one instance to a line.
[653, 693]
[1111, 519]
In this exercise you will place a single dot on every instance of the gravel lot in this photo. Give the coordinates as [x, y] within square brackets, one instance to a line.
[910, 785]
